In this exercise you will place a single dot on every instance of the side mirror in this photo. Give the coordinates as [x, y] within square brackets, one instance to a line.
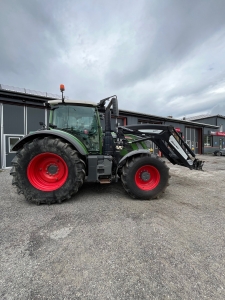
[101, 116]
[43, 125]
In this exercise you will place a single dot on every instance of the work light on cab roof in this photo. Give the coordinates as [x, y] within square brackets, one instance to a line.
[62, 89]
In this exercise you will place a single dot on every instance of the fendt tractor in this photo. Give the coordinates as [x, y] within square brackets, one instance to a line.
[52, 163]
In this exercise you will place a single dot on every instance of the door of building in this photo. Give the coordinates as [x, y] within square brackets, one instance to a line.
[10, 140]
[192, 139]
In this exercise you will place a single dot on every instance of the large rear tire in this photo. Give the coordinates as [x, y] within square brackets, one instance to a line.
[145, 177]
[47, 170]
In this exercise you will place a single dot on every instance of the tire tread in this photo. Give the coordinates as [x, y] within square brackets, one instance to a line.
[126, 182]
[35, 196]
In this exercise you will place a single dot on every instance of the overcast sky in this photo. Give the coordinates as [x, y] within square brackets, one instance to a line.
[161, 57]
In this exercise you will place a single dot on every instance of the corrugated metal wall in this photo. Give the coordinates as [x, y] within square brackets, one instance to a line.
[17, 121]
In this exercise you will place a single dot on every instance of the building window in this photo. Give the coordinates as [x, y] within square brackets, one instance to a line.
[12, 142]
[207, 140]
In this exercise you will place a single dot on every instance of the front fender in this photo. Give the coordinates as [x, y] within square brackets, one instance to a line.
[132, 153]
[54, 133]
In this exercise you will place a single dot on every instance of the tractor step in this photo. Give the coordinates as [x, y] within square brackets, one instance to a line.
[104, 180]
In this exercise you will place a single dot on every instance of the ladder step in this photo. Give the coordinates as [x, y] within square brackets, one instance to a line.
[104, 180]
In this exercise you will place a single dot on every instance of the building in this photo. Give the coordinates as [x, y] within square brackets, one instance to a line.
[192, 132]
[21, 110]
[213, 139]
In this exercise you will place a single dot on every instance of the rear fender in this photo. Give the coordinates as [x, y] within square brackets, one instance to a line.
[70, 139]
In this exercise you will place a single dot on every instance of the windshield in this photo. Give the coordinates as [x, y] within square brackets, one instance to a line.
[80, 121]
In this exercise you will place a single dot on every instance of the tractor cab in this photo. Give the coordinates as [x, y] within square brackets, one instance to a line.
[79, 119]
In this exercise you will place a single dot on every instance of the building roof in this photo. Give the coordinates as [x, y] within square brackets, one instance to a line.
[20, 95]
[167, 119]
[30, 92]
[17, 94]
[199, 117]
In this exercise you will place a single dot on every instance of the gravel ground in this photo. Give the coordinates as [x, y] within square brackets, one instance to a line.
[103, 245]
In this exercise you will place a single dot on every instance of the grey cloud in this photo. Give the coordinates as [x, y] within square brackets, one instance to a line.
[218, 109]
[152, 54]
[167, 33]
[32, 37]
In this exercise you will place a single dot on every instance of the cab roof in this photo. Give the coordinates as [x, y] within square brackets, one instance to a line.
[67, 101]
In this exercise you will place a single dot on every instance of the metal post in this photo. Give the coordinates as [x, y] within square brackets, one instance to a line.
[25, 120]
[2, 137]
[46, 117]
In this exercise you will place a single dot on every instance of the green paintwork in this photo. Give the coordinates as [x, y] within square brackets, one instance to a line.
[143, 145]
[124, 152]
[72, 136]
[133, 145]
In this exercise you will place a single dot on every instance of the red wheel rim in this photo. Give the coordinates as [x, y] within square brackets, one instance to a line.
[47, 172]
[147, 178]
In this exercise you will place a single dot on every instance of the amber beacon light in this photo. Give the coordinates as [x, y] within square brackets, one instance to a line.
[62, 87]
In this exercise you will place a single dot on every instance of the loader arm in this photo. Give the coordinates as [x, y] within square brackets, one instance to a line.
[168, 141]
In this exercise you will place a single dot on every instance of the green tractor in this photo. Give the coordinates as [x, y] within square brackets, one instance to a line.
[53, 162]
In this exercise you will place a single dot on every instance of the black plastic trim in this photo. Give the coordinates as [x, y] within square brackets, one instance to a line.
[132, 153]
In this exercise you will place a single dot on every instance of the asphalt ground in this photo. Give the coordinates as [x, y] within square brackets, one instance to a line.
[103, 245]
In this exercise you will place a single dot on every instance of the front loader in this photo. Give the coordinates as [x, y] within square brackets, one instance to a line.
[52, 163]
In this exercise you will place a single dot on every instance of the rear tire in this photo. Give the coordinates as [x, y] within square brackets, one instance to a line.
[145, 177]
[47, 170]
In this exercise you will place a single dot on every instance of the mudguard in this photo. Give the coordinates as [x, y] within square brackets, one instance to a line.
[132, 153]
[55, 133]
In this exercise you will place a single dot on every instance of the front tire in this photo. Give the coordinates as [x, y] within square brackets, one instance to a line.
[47, 170]
[145, 177]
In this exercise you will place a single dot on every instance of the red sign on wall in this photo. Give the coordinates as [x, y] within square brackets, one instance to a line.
[217, 133]
[177, 129]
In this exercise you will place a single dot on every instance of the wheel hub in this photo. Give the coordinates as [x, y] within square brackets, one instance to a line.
[52, 169]
[145, 176]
